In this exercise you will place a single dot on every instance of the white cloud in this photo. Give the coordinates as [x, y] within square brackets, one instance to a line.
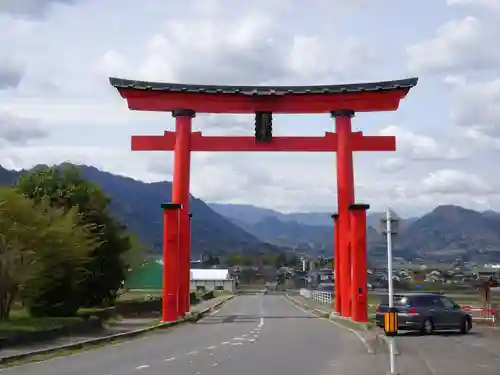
[477, 104]
[11, 73]
[458, 45]
[54, 72]
[19, 130]
[31, 8]
[110, 159]
[449, 181]
[391, 165]
[247, 48]
[488, 4]
[421, 147]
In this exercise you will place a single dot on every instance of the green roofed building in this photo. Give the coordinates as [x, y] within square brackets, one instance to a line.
[147, 276]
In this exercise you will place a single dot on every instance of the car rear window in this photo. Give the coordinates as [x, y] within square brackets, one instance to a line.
[398, 300]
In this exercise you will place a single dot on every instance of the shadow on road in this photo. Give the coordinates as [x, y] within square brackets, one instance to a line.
[438, 333]
[247, 318]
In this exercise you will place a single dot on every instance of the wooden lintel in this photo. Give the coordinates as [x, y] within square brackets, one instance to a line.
[326, 143]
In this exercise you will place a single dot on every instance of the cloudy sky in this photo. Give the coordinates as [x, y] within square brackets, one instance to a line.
[56, 103]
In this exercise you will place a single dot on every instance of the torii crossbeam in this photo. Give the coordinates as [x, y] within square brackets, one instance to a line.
[327, 143]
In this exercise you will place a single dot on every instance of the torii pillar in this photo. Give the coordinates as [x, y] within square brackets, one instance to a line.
[345, 197]
[180, 195]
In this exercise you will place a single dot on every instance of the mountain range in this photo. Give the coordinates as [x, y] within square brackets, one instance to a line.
[137, 204]
[442, 235]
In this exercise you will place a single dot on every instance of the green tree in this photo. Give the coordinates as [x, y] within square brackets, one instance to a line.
[19, 224]
[248, 261]
[269, 259]
[235, 259]
[137, 254]
[36, 243]
[65, 189]
[293, 261]
[280, 261]
[62, 252]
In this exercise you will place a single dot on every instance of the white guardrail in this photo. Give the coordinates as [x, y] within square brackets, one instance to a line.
[317, 295]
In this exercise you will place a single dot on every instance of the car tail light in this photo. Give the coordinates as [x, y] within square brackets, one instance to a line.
[378, 309]
[412, 310]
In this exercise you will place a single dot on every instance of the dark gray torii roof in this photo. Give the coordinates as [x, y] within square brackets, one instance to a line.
[120, 83]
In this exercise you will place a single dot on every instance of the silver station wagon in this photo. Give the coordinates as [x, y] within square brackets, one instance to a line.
[426, 312]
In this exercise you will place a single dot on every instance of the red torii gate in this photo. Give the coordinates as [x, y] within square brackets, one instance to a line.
[341, 101]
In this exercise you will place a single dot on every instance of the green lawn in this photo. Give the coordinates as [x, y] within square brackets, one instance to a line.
[21, 321]
[139, 294]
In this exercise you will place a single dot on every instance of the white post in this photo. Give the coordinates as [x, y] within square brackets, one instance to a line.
[389, 256]
[390, 282]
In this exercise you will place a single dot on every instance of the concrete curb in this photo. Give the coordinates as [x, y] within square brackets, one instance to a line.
[338, 318]
[383, 338]
[193, 317]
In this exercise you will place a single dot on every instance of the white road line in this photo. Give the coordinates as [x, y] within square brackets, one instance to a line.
[226, 303]
[192, 353]
[236, 343]
[169, 359]
[211, 347]
[142, 367]
[238, 338]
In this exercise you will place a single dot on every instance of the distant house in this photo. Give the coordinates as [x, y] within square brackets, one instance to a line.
[487, 272]
[434, 276]
[209, 274]
[212, 279]
[149, 277]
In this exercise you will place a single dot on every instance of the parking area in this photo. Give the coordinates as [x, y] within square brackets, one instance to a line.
[451, 353]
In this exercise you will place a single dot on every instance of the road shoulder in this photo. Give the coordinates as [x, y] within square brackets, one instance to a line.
[61, 348]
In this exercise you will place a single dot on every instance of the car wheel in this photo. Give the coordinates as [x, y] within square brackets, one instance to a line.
[466, 326]
[427, 327]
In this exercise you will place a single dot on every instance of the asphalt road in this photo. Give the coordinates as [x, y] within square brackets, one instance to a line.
[451, 353]
[251, 334]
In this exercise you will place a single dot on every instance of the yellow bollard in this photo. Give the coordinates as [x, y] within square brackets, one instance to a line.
[391, 322]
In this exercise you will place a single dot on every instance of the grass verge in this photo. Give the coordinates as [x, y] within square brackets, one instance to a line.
[21, 321]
